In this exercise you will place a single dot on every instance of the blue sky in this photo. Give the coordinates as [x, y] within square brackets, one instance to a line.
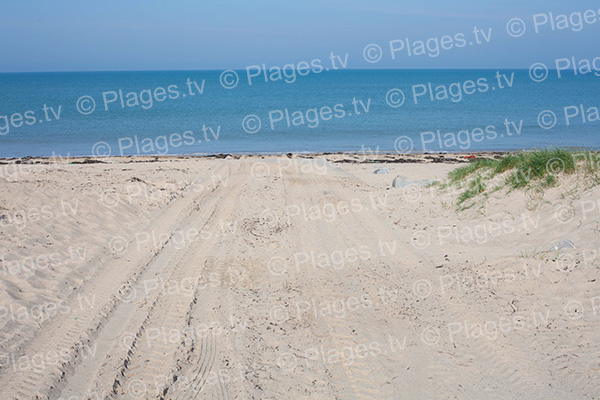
[75, 35]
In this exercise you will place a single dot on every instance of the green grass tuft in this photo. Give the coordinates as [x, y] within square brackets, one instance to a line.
[461, 173]
[539, 166]
[475, 187]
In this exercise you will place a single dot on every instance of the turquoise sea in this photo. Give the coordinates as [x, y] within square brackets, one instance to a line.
[207, 112]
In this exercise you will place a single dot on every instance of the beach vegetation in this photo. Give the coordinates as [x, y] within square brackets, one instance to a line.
[538, 169]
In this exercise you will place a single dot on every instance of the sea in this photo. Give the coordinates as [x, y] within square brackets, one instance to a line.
[312, 110]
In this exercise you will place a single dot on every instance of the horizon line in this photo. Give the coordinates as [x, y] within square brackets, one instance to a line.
[244, 69]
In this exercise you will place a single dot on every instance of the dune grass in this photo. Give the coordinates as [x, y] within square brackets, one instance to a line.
[524, 169]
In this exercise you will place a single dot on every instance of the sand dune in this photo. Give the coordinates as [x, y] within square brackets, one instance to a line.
[292, 278]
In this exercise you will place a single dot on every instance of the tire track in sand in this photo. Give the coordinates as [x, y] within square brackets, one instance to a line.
[172, 312]
[114, 352]
[69, 335]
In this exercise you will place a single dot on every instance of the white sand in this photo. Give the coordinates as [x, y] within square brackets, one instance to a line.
[283, 278]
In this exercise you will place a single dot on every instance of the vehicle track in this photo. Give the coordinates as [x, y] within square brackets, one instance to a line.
[125, 328]
[144, 365]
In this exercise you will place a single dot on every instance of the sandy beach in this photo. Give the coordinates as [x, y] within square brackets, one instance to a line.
[293, 277]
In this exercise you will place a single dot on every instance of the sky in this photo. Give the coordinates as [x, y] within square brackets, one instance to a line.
[75, 35]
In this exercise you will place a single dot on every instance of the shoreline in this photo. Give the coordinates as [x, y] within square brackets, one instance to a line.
[336, 157]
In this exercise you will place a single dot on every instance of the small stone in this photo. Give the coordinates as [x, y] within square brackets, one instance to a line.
[382, 171]
[400, 181]
[563, 244]
[426, 182]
